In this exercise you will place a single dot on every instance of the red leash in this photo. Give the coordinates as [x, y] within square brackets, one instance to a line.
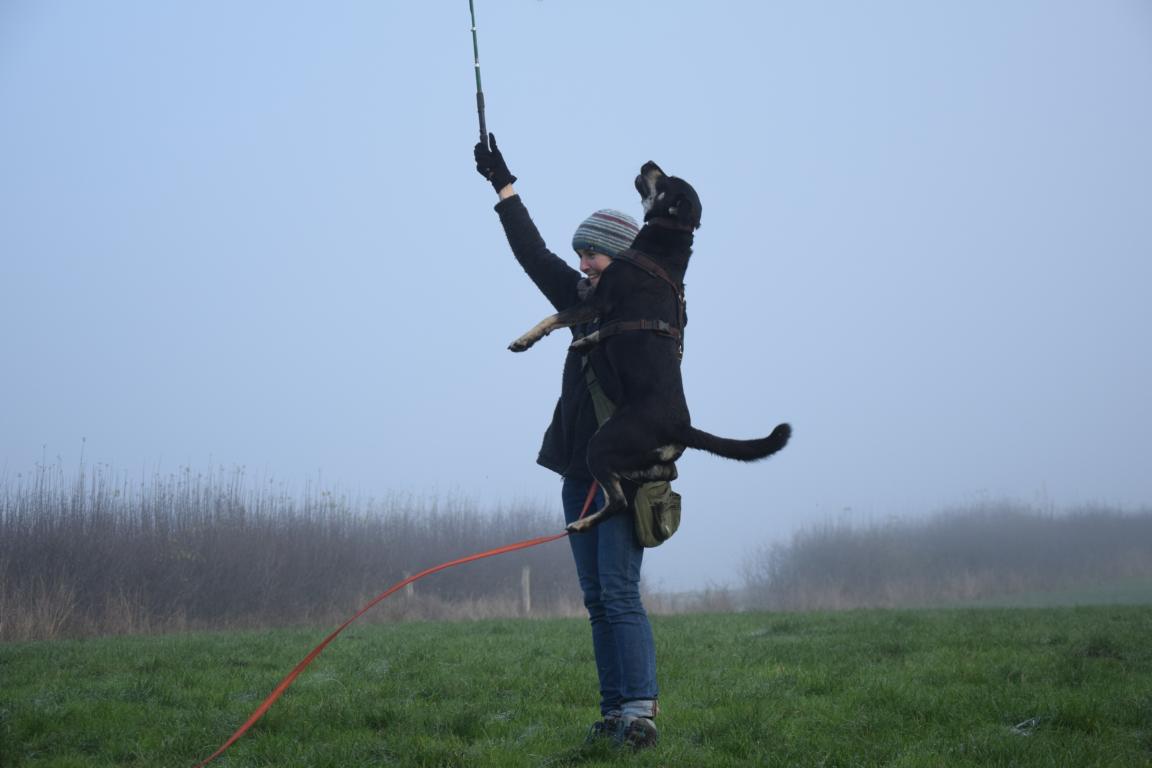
[288, 680]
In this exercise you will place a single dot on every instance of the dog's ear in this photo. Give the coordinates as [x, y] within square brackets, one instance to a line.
[686, 207]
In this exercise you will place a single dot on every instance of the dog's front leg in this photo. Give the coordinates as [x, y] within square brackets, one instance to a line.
[585, 342]
[539, 331]
[581, 313]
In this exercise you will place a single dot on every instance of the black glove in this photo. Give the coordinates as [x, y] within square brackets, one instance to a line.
[490, 164]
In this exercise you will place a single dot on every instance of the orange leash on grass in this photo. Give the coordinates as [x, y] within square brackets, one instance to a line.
[288, 680]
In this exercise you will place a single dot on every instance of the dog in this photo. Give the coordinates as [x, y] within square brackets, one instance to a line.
[639, 302]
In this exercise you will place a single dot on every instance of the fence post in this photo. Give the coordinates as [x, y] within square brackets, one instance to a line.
[526, 589]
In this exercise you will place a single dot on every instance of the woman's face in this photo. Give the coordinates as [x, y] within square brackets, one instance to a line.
[592, 263]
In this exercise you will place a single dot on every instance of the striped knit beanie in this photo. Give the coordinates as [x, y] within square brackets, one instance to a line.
[607, 231]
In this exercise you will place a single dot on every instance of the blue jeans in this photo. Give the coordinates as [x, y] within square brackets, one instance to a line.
[608, 560]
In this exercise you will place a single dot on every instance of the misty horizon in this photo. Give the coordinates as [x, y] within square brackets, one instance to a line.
[254, 237]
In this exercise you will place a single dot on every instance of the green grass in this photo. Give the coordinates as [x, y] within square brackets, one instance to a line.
[869, 688]
[1129, 592]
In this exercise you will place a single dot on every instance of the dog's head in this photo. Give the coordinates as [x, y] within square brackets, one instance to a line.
[668, 198]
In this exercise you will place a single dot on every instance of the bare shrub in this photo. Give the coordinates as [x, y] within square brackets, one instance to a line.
[957, 555]
[98, 554]
[38, 609]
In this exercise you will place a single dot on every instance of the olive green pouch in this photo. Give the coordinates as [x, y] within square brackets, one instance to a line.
[657, 509]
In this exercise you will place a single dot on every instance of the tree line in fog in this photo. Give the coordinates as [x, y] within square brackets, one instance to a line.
[96, 553]
[99, 554]
[960, 555]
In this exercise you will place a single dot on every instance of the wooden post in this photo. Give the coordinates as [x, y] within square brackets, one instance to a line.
[526, 589]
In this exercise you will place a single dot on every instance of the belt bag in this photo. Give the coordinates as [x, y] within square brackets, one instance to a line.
[657, 515]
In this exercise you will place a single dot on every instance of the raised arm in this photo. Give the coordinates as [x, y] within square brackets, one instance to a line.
[555, 278]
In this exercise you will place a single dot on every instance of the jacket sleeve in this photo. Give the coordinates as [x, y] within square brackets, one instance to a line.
[555, 278]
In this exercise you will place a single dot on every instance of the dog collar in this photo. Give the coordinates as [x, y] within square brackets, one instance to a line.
[668, 223]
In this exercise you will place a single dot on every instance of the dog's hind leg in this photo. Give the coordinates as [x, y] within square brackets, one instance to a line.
[602, 460]
[663, 466]
[653, 474]
[615, 501]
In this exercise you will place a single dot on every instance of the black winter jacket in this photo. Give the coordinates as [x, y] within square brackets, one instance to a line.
[565, 446]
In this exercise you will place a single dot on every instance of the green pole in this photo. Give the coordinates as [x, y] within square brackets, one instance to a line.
[479, 90]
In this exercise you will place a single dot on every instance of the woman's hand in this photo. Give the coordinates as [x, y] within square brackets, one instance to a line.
[490, 164]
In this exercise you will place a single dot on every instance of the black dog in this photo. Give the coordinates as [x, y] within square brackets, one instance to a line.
[640, 304]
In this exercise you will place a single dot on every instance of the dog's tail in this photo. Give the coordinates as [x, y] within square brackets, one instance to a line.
[741, 450]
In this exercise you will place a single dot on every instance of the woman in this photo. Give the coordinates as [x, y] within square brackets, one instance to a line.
[608, 557]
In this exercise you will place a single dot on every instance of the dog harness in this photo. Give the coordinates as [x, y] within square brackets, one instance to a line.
[640, 260]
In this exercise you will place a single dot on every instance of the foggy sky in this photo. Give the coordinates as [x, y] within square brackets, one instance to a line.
[252, 235]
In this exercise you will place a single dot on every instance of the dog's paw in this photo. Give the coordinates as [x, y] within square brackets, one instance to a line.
[585, 342]
[591, 521]
[585, 524]
[524, 342]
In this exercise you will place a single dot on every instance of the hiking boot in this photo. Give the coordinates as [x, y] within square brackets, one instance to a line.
[608, 728]
[639, 733]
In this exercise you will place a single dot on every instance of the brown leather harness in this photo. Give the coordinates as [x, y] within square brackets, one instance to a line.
[662, 327]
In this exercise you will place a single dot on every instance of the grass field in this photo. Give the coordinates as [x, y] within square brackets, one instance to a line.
[982, 687]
